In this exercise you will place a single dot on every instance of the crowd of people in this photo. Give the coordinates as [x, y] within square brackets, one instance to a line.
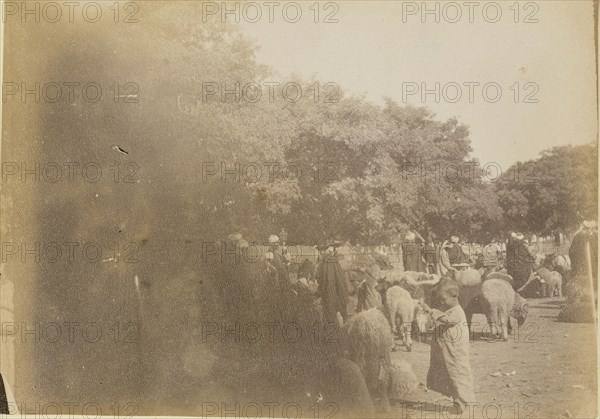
[517, 255]
[325, 284]
[420, 255]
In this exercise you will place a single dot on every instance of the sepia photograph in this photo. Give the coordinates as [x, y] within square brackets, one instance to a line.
[299, 209]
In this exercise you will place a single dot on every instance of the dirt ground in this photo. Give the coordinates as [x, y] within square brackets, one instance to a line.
[547, 369]
[551, 369]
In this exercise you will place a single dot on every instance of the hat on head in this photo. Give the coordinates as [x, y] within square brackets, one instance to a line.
[519, 236]
[410, 236]
[454, 239]
[273, 239]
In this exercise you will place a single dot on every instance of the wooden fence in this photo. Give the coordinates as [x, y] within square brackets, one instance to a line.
[298, 253]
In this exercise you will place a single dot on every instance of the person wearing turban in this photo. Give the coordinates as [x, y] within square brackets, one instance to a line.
[412, 252]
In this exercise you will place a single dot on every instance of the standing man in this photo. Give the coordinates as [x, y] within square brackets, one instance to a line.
[586, 236]
[412, 257]
[491, 255]
[455, 252]
[430, 253]
[279, 262]
[444, 264]
[520, 259]
[332, 285]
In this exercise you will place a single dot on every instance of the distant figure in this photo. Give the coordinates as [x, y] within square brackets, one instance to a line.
[587, 235]
[520, 260]
[279, 262]
[455, 252]
[368, 294]
[559, 238]
[306, 275]
[412, 257]
[431, 259]
[491, 255]
[332, 286]
[444, 264]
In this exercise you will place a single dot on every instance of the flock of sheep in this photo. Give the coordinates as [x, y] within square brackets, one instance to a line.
[357, 369]
[399, 311]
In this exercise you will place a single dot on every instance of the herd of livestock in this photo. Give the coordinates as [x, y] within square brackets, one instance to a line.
[386, 311]
[380, 310]
[400, 294]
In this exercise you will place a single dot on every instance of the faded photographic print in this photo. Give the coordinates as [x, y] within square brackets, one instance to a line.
[299, 209]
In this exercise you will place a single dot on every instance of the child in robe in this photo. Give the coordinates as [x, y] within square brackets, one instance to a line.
[449, 366]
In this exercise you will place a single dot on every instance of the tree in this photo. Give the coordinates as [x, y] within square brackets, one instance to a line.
[553, 192]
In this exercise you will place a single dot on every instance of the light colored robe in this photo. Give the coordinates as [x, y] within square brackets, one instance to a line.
[449, 367]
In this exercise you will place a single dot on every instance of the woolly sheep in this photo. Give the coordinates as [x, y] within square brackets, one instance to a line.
[346, 387]
[396, 274]
[468, 277]
[498, 301]
[417, 283]
[369, 340]
[401, 309]
[501, 275]
[551, 282]
[403, 380]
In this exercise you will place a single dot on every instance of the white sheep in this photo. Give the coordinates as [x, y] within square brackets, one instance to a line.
[501, 275]
[396, 274]
[551, 282]
[468, 277]
[401, 309]
[499, 300]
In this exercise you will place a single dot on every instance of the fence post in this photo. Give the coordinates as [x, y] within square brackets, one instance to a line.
[588, 260]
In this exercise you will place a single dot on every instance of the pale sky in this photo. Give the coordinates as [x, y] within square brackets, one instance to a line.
[372, 51]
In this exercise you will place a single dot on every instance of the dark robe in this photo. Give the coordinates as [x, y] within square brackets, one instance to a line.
[282, 271]
[456, 254]
[430, 253]
[519, 262]
[3, 399]
[579, 266]
[307, 269]
[411, 256]
[368, 295]
[333, 288]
